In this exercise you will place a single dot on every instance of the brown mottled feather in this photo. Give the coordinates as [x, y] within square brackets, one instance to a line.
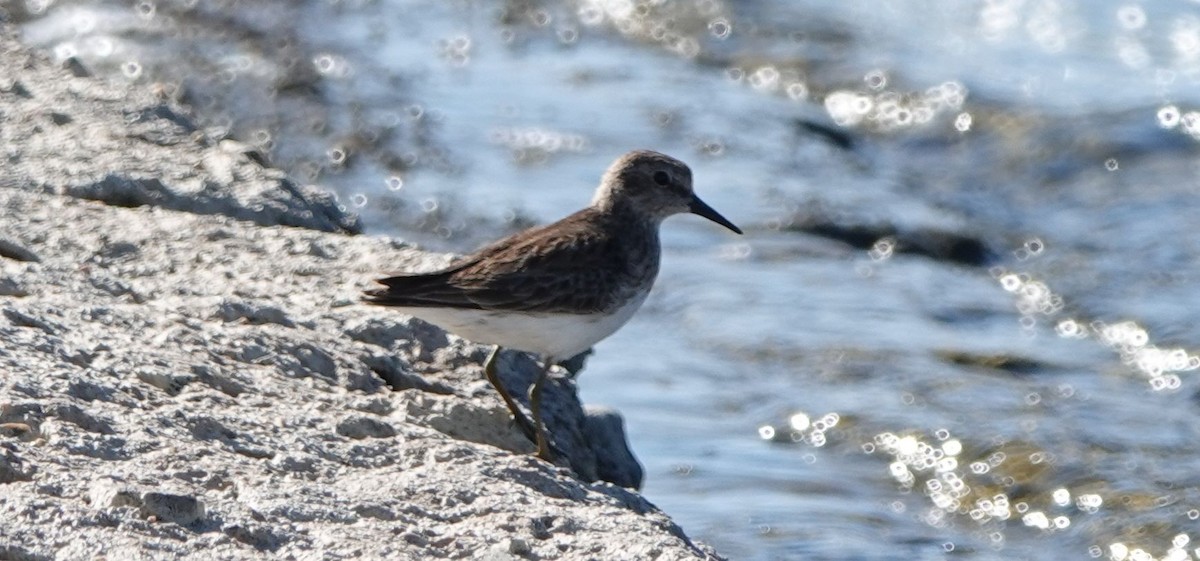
[587, 262]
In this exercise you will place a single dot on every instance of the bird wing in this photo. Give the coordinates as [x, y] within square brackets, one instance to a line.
[565, 267]
[419, 291]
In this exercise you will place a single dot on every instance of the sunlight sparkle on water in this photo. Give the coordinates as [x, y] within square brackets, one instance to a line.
[876, 80]
[131, 69]
[1131, 341]
[962, 123]
[846, 108]
[331, 66]
[930, 465]
[883, 249]
[802, 428]
[455, 50]
[1030, 249]
[1089, 502]
[771, 80]
[1131, 16]
[1185, 38]
[1190, 124]
[531, 143]
[145, 10]
[1062, 497]
[886, 110]
[720, 28]
[1119, 551]
[765, 78]
[670, 26]
[1168, 116]
[797, 91]
[997, 18]
[1132, 52]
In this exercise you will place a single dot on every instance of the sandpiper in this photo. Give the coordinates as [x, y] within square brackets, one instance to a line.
[557, 290]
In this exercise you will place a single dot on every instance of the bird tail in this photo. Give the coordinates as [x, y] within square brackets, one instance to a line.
[417, 291]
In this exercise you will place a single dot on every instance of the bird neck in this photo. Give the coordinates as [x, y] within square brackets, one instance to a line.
[624, 211]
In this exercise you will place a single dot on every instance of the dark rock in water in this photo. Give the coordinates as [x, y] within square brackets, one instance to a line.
[941, 245]
[605, 431]
[945, 246]
[833, 134]
[1015, 365]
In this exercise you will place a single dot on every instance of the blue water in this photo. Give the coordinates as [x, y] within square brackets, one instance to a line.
[791, 395]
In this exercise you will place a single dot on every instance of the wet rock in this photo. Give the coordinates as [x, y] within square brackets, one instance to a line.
[827, 130]
[934, 243]
[1014, 365]
[604, 430]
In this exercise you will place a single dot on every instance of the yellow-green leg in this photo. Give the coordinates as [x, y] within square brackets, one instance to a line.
[535, 405]
[489, 369]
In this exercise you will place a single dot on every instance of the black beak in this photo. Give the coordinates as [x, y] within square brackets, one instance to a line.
[698, 206]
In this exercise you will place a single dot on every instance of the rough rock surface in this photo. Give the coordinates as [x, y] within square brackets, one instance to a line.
[204, 384]
[86, 138]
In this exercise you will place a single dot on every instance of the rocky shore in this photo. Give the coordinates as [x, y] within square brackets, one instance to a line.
[186, 371]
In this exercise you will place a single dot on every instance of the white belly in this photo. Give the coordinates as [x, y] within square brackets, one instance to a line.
[558, 336]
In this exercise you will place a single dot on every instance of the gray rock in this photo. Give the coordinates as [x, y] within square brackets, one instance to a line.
[12, 468]
[12, 287]
[185, 378]
[360, 427]
[150, 154]
[235, 310]
[17, 252]
[170, 507]
[604, 431]
[180, 509]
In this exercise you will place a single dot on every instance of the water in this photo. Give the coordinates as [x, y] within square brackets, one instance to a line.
[792, 396]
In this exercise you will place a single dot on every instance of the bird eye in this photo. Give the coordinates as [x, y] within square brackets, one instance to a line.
[661, 178]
